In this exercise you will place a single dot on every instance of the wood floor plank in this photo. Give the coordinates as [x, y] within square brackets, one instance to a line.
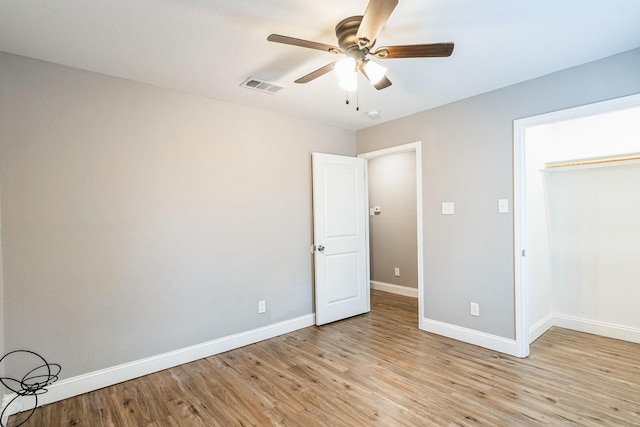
[376, 369]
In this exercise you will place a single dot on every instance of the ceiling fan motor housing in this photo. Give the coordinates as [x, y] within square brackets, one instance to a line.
[346, 31]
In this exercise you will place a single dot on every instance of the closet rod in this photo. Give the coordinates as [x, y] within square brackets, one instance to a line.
[591, 162]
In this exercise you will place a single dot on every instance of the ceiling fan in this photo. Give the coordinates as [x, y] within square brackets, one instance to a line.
[356, 38]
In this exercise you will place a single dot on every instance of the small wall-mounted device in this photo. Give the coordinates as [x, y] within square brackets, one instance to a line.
[503, 206]
[448, 208]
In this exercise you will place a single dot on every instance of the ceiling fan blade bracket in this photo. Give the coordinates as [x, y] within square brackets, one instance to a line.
[364, 42]
[381, 53]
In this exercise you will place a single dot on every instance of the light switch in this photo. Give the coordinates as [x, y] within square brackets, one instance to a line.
[447, 208]
[503, 206]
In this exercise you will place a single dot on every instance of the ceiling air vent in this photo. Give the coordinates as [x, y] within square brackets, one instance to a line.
[262, 86]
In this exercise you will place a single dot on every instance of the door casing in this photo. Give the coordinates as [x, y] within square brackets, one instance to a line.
[521, 285]
[417, 147]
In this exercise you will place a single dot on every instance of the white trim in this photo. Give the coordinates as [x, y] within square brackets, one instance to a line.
[85, 383]
[482, 339]
[366, 233]
[521, 287]
[540, 328]
[420, 233]
[521, 291]
[604, 329]
[417, 147]
[397, 149]
[394, 289]
[581, 111]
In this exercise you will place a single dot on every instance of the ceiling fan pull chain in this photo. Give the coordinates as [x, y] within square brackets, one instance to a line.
[357, 100]
[347, 101]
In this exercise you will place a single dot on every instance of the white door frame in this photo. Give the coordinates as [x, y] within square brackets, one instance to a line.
[417, 147]
[519, 196]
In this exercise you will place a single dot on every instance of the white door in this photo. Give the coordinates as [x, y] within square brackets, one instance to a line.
[340, 237]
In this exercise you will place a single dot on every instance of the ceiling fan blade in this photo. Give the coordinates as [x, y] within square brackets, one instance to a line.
[317, 73]
[384, 81]
[277, 38]
[376, 15]
[430, 50]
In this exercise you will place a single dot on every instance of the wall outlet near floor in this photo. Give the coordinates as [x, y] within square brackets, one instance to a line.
[474, 309]
[262, 306]
[396, 272]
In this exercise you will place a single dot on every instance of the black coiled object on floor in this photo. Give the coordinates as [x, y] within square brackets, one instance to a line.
[33, 383]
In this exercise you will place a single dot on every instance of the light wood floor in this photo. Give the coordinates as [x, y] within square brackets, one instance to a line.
[376, 369]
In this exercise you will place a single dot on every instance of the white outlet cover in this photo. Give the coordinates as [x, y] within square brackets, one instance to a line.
[503, 206]
[448, 208]
[474, 309]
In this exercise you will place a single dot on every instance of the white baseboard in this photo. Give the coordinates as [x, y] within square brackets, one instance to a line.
[394, 289]
[609, 330]
[482, 339]
[540, 328]
[85, 383]
[604, 329]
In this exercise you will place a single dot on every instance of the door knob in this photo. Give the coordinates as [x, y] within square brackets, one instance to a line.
[320, 248]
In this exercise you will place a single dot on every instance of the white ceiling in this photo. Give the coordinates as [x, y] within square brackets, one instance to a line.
[209, 47]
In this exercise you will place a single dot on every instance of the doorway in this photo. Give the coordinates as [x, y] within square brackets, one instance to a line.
[536, 306]
[385, 274]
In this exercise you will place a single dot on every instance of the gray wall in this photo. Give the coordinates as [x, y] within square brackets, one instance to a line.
[138, 220]
[392, 233]
[467, 158]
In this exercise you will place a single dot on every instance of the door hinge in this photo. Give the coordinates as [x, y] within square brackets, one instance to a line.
[523, 252]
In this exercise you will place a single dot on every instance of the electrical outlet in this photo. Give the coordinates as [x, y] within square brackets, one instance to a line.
[503, 206]
[396, 271]
[448, 208]
[474, 309]
[262, 306]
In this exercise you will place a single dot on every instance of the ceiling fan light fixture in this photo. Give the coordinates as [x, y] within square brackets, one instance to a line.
[374, 71]
[345, 68]
[349, 82]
